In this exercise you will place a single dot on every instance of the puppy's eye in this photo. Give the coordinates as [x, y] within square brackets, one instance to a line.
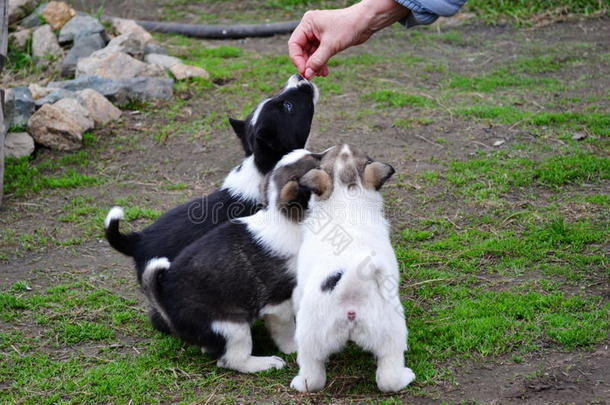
[287, 106]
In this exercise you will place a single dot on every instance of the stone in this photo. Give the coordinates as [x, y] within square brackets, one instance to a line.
[151, 47]
[80, 25]
[125, 26]
[18, 144]
[579, 136]
[35, 19]
[55, 96]
[121, 92]
[116, 66]
[57, 14]
[38, 91]
[84, 46]
[19, 39]
[148, 88]
[17, 9]
[44, 45]
[126, 43]
[19, 106]
[164, 61]
[113, 90]
[75, 109]
[100, 109]
[182, 72]
[54, 128]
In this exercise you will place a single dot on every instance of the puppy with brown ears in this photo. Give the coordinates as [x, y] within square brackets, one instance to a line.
[239, 272]
[347, 278]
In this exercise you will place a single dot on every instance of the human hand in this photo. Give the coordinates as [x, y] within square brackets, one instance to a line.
[323, 33]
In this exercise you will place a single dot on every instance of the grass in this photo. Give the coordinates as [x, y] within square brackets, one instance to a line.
[522, 11]
[503, 253]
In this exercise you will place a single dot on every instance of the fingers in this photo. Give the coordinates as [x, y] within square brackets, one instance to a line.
[317, 61]
[297, 56]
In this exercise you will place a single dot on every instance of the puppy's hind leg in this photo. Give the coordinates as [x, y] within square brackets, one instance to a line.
[389, 346]
[279, 320]
[238, 349]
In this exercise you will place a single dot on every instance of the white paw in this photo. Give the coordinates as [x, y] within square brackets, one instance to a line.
[253, 364]
[303, 384]
[393, 381]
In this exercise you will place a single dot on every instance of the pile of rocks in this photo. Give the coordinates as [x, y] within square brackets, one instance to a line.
[106, 66]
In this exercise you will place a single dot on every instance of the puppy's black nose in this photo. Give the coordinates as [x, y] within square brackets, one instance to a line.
[299, 77]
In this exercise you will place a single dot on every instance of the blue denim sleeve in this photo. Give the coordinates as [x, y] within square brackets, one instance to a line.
[427, 11]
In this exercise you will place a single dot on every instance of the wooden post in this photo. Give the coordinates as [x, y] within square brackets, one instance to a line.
[3, 52]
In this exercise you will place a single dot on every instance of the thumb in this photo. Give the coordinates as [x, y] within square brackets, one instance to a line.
[319, 58]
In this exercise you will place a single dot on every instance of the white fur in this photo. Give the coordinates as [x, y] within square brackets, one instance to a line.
[296, 81]
[116, 213]
[257, 111]
[368, 287]
[279, 320]
[244, 183]
[239, 348]
[153, 265]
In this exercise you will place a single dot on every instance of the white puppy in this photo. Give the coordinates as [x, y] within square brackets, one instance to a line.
[347, 283]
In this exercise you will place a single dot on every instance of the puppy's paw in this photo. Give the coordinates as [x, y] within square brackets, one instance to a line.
[304, 384]
[254, 364]
[394, 380]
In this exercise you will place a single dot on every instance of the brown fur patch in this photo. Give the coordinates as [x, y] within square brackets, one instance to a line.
[319, 182]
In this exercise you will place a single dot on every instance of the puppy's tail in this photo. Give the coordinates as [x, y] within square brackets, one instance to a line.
[124, 243]
[151, 287]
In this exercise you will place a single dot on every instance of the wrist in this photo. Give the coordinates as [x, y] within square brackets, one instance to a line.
[378, 14]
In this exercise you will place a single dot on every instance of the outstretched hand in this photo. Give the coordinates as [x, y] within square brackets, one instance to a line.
[323, 33]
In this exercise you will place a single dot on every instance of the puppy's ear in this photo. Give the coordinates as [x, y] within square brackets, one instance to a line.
[289, 192]
[239, 127]
[376, 174]
[319, 182]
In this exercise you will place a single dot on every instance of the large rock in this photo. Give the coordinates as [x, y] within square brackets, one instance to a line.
[100, 109]
[148, 88]
[55, 96]
[53, 127]
[182, 72]
[75, 110]
[57, 14]
[84, 46]
[123, 26]
[19, 39]
[116, 66]
[19, 106]
[128, 43]
[164, 61]
[45, 47]
[18, 144]
[115, 91]
[151, 47]
[17, 9]
[80, 25]
[35, 19]
[121, 92]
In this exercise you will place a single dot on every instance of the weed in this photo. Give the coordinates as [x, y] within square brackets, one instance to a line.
[392, 98]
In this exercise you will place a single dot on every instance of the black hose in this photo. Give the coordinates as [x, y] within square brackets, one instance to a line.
[220, 31]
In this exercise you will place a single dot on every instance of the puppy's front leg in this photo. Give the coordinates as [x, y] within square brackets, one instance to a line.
[279, 320]
[238, 349]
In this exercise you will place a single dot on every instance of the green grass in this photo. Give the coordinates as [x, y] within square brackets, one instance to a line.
[501, 79]
[393, 98]
[23, 177]
[522, 11]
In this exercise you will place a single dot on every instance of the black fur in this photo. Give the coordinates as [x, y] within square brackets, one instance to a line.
[194, 293]
[331, 281]
[276, 132]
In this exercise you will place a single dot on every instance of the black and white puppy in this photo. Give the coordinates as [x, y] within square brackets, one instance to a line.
[240, 271]
[277, 126]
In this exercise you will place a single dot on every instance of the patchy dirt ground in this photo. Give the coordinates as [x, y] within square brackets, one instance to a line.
[160, 155]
